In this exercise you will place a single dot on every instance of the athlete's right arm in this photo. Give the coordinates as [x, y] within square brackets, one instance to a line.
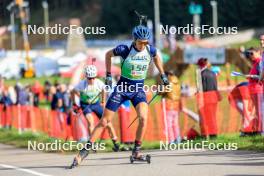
[109, 54]
[76, 109]
[73, 93]
[108, 62]
[120, 50]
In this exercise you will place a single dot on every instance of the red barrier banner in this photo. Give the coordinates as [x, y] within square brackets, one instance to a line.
[124, 118]
[5, 116]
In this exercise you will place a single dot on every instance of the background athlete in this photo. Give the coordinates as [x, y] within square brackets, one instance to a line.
[134, 66]
[89, 91]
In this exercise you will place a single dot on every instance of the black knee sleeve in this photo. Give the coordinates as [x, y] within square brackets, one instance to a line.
[85, 151]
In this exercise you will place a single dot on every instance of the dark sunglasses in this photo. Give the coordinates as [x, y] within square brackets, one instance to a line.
[90, 78]
[143, 42]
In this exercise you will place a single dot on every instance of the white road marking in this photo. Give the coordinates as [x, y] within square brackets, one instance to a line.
[23, 170]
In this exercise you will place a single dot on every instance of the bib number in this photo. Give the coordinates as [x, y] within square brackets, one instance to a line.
[138, 69]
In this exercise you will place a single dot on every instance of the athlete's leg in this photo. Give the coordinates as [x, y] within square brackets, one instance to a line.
[87, 112]
[113, 136]
[98, 110]
[176, 127]
[107, 117]
[111, 130]
[104, 121]
[90, 122]
[112, 105]
[142, 114]
[170, 125]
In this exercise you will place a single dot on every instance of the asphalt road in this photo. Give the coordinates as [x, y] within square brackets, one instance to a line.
[22, 162]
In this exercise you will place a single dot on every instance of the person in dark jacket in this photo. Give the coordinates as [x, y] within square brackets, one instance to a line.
[209, 81]
[208, 98]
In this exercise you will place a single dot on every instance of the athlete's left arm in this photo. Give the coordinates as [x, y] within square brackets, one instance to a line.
[158, 63]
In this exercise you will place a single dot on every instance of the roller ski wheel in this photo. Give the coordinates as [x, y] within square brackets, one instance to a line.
[142, 158]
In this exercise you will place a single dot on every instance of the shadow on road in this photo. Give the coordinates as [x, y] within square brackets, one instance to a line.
[109, 158]
[112, 164]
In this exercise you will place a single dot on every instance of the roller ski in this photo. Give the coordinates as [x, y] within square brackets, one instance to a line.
[142, 158]
[136, 156]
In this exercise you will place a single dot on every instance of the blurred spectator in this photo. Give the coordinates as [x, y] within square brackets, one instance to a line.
[239, 98]
[5, 102]
[2, 85]
[36, 90]
[5, 99]
[207, 99]
[255, 88]
[68, 102]
[53, 98]
[46, 91]
[262, 60]
[67, 98]
[61, 88]
[22, 95]
[12, 94]
[209, 82]
[64, 98]
[30, 93]
[262, 73]
[61, 98]
[173, 107]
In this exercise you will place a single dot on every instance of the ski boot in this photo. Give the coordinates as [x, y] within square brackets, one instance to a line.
[116, 148]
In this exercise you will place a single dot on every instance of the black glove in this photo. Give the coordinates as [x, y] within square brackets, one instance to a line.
[108, 79]
[164, 79]
[76, 109]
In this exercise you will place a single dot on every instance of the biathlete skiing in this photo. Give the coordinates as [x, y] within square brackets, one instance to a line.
[135, 60]
[90, 91]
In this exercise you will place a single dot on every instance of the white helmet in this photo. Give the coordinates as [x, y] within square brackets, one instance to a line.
[90, 71]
